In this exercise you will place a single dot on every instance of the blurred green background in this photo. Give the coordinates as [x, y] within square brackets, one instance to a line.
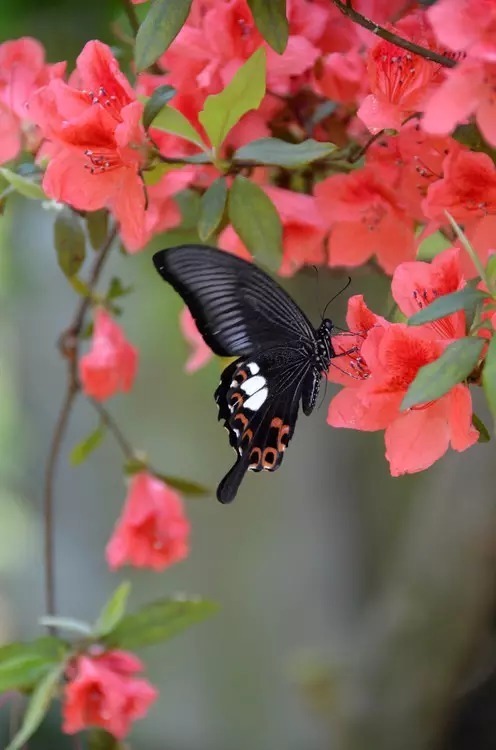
[355, 609]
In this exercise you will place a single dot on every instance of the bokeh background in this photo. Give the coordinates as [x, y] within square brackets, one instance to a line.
[355, 609]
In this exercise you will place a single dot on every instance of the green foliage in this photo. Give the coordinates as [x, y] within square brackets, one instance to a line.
[255, 219]
[113, 611]
[186, 486]
[23, 664]
[484, 436]
[38, 706]
[98, 739]
[172, 121]
[83, 449]
[69, 241]
[97, 224]
[159, 621]
[161, 25]
[23, 185]
[489, 376]
[465, 299]
[212, 208]
[273, 151]
[160, 97]
[437, 378]
[271, 21]
[243, 93]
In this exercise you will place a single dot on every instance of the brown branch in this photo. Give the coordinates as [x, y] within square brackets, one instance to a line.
[68, 347]
[114, 428]
[347, 10]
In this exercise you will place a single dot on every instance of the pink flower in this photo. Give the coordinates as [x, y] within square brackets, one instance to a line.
[200, 352]
[22, 71]
[467, 189]
[365, 220]
[99, 143]
[153, 530]
[340, 76]
[469, 89]
[102, 691]
[468, 25]
[386, 362]
[399, 80]
[111, 364]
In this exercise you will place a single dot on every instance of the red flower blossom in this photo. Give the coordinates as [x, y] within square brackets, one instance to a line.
[102, 691]
[200, 352]
[365, 220]
[111, 364]
[22, 71]
[399, 80]
[97, 140]
[467, 190]
[385, 363]
[469, 89]
[153, 530]
[468, 25]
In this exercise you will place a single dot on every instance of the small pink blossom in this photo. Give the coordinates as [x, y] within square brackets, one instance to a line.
[201, 354]
[466, 25]
[103, 691]
[153, 530]
[110, 366]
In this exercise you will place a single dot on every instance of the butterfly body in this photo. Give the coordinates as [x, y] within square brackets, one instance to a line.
[240, 311]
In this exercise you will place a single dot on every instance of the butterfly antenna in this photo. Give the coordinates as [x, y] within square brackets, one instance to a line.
[317, 287]
[337, 295]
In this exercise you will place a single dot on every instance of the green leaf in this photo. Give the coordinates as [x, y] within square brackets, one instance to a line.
[97, 223]
[172, 121]
[183, 485]
[255, 219]
[160, 97]
[22, 185]
[465, 299]
[82, 450]
[159, 621]
[113, 611]
[98, 739]
[271, 21]
[437, 378]
[484, 436]
[23, 664]
[117, 289]
[65, 623]
[489, 376]
[69, 240]
[491, 269]
[162, 24]
[212, 207]
[38, 707]
[243, 93]
[273, 151]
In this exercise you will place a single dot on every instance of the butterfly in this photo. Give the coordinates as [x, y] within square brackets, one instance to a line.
[241, 311]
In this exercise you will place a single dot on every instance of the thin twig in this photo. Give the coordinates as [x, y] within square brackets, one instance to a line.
[114, 428]
[131, 16]
[68, 347]
[347, 9]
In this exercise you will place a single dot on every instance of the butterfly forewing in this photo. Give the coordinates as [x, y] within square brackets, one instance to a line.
[240, 311]
[236, 306]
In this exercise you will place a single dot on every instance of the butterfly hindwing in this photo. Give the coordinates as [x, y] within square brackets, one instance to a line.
[258, 401]
[236, 306]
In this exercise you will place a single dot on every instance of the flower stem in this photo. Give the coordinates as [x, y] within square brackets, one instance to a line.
[347, 9]
[470, 250]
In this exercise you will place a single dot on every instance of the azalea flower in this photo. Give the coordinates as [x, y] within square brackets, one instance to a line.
[468, 25]
[365, 219]
[153, 530]
[385, 359]
[200, 352]
[22, 71]
[103, 691]
[97, 141]
[467, 189]
[110, 366]
[469, 89]
[399, 80]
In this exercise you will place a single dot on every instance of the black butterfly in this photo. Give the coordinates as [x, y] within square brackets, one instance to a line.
[240, 311]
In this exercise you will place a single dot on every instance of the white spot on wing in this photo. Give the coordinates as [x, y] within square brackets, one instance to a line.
[253, 368]
[253, 384]
[255, 402]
